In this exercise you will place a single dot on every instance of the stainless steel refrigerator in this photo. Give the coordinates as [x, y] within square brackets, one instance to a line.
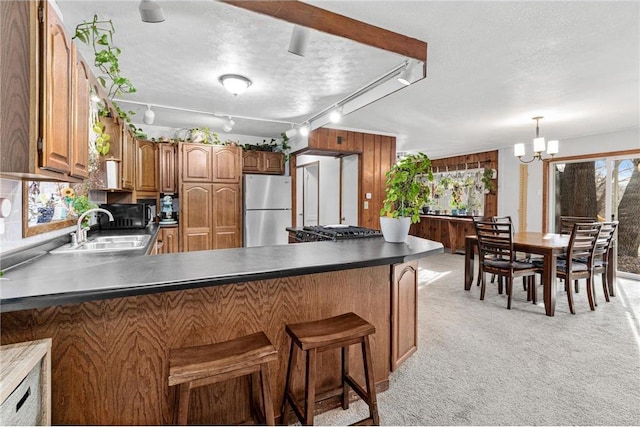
[267, 209]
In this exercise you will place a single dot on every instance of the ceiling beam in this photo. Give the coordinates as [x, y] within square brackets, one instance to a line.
[323, 20]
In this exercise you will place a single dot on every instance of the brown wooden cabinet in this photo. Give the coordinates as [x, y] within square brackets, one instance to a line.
[263, 162]
[128, 159]
[404, 312]
[227, 164]
[210, 163]
[211, 216]
[81, 98]
[168, 240]
[168, 175]
[146, 166]
[334, 140]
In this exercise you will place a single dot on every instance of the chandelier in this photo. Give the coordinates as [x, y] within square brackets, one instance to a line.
[538, 146]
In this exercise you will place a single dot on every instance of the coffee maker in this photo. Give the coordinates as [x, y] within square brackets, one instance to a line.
[166, 211]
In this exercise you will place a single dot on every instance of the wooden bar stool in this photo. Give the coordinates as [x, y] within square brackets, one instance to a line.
[322, 335]
[192, 367]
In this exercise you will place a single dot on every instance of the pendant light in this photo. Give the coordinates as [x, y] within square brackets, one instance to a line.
[538, 146]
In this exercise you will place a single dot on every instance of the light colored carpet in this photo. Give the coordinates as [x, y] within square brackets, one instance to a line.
[480, 364]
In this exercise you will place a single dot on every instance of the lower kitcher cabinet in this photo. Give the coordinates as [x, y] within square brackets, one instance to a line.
[210, 216]
[168, 240]
[404, 312]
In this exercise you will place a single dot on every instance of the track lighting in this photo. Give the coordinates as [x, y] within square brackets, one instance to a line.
[335, 116]
[149, 116]
[405, 75]
[151, 11]
[299, 40]
[304, 129]
[291, 132]
[228, 125]
[235, 83]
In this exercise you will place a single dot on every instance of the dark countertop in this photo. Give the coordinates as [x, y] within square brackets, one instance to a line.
[52, 280]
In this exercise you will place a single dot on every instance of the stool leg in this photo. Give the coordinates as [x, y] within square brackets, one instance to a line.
[181, 411]
[287, 385]
[266, 395]
[310, 404]
[255, 394]
[345, 372]
[371, 385]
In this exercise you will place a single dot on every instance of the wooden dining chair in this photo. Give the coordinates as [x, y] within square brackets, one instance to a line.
[600, 256]
[567, 222]
[495, 247]
[578, 262]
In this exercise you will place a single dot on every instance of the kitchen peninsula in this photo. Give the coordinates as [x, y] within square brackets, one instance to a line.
[113, 319]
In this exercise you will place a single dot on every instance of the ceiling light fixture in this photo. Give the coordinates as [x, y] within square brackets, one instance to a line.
[538, 146]
[405, 75]
[151, 11]
[228, 125]
[149, 116]
[299, 40]
[336, 115]
[235, 83]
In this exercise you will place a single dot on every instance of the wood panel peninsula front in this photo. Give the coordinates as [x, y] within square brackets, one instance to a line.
[113, 319]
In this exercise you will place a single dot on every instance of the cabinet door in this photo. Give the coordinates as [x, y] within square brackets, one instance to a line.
[273, 163]
[81, 95]
[251, 161]
[170, 240]
[404, 312]
[227, 164]
[195, 216]
[146, 166]
[196, 163]
[168, 168]
[128, 159]
[227, 216]
[56, 91]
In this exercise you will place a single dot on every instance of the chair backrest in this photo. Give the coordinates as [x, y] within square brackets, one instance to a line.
[567, 222]
[605, 239]
[495, 240]
[582, 243]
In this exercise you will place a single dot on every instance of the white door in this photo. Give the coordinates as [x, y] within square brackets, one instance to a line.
[299, 197]
[349, 190]
[310, 194]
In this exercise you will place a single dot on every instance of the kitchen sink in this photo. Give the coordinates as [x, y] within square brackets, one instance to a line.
[106, 244]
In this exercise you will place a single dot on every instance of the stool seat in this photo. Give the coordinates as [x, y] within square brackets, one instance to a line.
[316, 337]
[329, 333]
[191, 367]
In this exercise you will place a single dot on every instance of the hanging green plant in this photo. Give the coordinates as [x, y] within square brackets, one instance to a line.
[102, 139]
[98, 34]
[487, 179]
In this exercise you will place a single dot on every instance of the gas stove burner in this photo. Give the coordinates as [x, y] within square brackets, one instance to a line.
[339, 232]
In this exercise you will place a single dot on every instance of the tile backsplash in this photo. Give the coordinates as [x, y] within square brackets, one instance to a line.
[12, 239]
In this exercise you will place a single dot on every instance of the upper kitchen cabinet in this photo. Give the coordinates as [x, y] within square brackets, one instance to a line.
[147, 164]
[210, 163]
[128, 158]
[45, 95]
[327, 141]
[263, 162]
[168, 175]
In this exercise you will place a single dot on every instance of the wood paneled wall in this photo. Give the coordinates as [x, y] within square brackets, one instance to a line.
[486, 159]
[110, 358]
[376, 155]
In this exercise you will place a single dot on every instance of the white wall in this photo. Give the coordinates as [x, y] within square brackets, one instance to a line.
[329, 171]
[509, 171]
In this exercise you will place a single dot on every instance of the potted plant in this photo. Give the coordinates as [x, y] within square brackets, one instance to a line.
[407, 190]
[487, 177]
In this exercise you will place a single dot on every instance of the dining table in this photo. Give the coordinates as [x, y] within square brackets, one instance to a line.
[549, 245]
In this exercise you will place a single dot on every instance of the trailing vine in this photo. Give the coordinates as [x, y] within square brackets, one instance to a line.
[98, 34]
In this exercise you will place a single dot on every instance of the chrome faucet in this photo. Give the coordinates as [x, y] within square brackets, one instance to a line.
[80, 235]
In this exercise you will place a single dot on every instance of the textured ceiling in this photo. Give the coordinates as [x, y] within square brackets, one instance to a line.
[491, 67]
